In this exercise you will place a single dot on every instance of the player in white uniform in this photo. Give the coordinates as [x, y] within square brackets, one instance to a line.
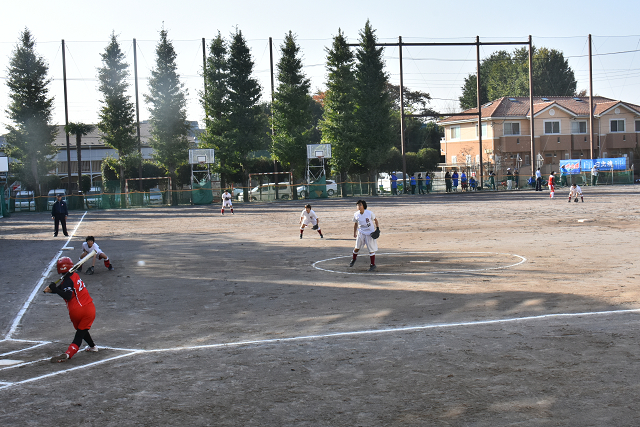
[87, 247]
[308, 218]
[574, 190]
[226, 202]
[364, 223]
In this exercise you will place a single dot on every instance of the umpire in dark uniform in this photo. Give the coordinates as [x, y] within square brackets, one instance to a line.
[59, 213]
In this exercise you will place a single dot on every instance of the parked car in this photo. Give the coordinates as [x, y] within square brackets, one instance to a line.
[51, 198]
[94, 197]
[155, 196]
[268, 191]
[237, 192]
[332, 188]
[25, 201]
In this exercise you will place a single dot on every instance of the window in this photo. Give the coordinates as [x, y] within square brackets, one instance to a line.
[551, 127]
[512, 128]
[484, 129]
[637, 125]
[454, 159]
[617, 125]
[468, 158]
[455, 132]
[578, 127]
[526, 159]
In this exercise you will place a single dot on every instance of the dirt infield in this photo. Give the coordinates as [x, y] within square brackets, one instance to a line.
[492, 309]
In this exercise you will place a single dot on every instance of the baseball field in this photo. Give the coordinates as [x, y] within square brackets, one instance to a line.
[487, 309]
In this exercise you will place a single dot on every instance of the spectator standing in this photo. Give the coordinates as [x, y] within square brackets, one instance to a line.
[516, 179]
[563, 176]
[427, 182]
[538, 180]
[463, 181]
[454, 177]
[394, 184]
[509, 179]
[594, 175]
[420, 184]
[447, 182]
[413, 184]
[492, 180]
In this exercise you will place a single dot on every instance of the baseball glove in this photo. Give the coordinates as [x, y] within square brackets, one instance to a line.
[376, 233]
[315, 227]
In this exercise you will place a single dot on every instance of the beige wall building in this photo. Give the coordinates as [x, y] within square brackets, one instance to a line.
[561, 127]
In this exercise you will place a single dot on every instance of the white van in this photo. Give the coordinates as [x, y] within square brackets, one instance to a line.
[25, 201]
[268, 192]
[51, 198]
[93, 198]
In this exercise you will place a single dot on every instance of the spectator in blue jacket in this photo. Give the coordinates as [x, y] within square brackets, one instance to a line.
[413, 184]
[394, 184]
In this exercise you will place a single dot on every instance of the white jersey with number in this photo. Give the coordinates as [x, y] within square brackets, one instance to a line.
[87, 249]
[309, 218]
[575, 191]
[365, 222]
[226, 199]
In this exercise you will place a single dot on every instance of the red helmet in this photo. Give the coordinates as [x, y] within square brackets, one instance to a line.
[64, 264]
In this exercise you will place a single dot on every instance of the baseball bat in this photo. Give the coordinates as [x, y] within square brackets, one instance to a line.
[76, 266]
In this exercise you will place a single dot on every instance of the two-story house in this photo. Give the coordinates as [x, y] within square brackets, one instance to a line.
[561, 131]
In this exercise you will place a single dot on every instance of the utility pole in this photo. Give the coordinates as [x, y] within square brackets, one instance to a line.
[66, 118]
[404, 158]
[479, 108]
[275, 163]
[531, 125]
[591, 124]
[135, 79]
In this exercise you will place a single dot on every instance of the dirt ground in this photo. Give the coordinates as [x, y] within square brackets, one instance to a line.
[487, 309]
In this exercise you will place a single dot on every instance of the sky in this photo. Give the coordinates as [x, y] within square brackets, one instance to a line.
[440, 71]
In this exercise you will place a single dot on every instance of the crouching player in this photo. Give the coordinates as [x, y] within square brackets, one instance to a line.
[308, 218]
[574, 191]
[87, 247]
[82, 312]
[226, 202]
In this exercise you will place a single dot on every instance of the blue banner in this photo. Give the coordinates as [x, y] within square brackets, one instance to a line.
[573, 167]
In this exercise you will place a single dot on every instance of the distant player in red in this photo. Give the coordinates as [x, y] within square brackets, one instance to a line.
[552, 187]
[82, 312]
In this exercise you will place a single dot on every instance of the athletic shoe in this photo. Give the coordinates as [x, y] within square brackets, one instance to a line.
[55, 234]
[62, 358]
[321, 236]
[372, 267]
[301, 235]
[90, 270]
[111, 268]
[93, 349]
[353, 261]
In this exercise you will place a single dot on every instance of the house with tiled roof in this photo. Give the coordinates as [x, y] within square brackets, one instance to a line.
[561, 131]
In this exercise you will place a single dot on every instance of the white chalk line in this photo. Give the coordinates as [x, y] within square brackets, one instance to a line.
[44, 275]
[41, 343]
[131, 352]
[378, 273]
[64, 371]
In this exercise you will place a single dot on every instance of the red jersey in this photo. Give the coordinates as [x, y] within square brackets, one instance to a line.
[75, 292]
[551, 179]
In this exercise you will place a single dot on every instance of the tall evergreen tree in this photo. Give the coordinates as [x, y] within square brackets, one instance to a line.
[337, 125]
[373, 115]
[247, 123]
[117, 122]
[167, 105]
[31, 136]
[292, 121]
[215, 101]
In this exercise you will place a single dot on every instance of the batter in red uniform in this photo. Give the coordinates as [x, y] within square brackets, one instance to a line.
[80, 305]
[552, 187]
